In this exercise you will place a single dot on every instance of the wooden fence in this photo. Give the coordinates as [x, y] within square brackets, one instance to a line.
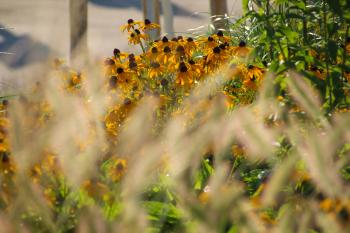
[151, 9]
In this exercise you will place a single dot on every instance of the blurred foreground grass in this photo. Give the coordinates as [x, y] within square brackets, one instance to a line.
[194, 134]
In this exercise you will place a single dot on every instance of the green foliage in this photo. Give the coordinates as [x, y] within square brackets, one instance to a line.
[305, 35]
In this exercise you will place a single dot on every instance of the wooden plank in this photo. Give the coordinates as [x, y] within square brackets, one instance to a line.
[218, 9]
[168, 18]
[78, 11]
[151, 11]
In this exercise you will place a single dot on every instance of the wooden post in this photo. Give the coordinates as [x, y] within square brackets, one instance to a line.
[78, 11]
[218, 9]
[151, 11]
[168, 17]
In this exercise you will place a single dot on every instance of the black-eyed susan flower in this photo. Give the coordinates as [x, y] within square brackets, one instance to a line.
[148, 25]
[74, 81]
[166, 56]
[241, 50]
[184, 76]
[180, 54]
[95, 189]
[254, 73]
[208, 43]
[117, 169]
[152, 54]
[130, 25]
[163, 43]
[119, 55]
[135, 67]
[219, 36]
[215, 57]
[190, 45]
[196, 68]
[155, 70]
[318, 72]
[136, 36]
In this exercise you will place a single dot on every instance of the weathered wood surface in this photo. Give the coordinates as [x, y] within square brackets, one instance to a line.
[78, 12]
[151, 11]
[218, 9]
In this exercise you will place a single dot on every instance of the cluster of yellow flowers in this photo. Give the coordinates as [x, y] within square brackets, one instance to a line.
[167, 68]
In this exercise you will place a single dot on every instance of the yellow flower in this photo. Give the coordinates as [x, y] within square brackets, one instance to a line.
[160, 45]
[196, 69]
[215, 57]
[136, 36]
[148, 25]
[116, 116]
[184, 76]
[130, 25]
[208, 43]
[152, 54]
[221, 37]
[135, 67]
[190, 46]
[118, 169]
[237, 150]
[241, 50]
[119, 55]
[166, 56]
[254, 73]
[318, 72]
[95, 189]
[124, 77]
[155, 70]
[74, 81]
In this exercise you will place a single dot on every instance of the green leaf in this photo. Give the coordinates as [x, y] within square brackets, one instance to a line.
[245, 6]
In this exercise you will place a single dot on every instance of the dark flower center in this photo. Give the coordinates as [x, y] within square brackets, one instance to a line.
[189, 39]
[5, 102]
[242, 43]
[120, 70]
[216, 50]
[183, 67]
[132, 65]
[180, 49]
[4, 157]
[137, 31]
[154, 50]
[113, 81]
[164, 82]
[155, 65]
[127, 101]
[220, 33]
[120, 167]
[109, 62]
[210, 39]
[147, 22]
[167, 49]
[165, 39]
[116, 52]
[130, 21]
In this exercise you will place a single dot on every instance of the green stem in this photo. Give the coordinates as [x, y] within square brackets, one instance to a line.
[328, 80]
[304, 26]
[344, 55]
[143, 48]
